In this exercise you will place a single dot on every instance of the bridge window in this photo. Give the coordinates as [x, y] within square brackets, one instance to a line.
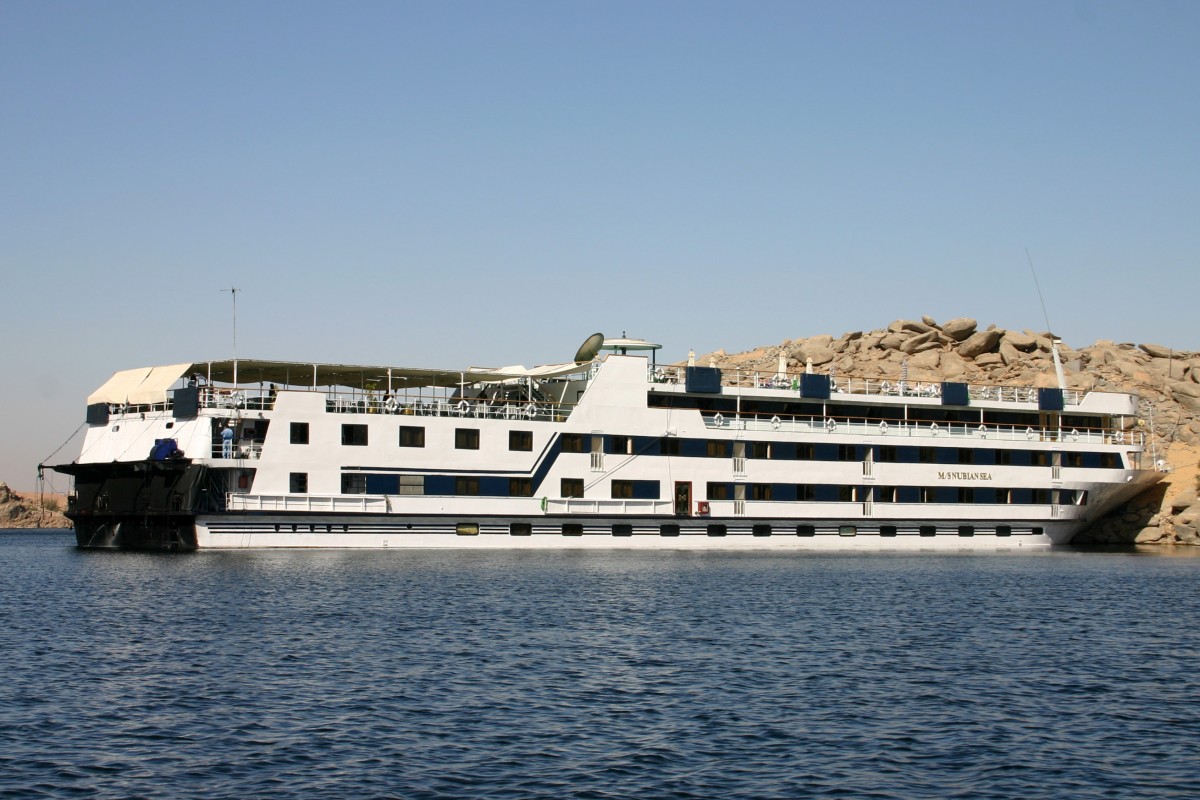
[299, 433]
[466, 438]
[412, 436]
[354, 435]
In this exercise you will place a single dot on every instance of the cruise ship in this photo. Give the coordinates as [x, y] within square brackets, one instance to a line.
[610, 450]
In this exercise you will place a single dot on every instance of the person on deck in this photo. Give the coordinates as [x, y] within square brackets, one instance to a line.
[227, 442]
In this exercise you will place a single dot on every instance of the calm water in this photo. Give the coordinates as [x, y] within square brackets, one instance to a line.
[439, 674]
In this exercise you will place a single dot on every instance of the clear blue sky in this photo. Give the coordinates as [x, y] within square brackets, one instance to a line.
[455, 183]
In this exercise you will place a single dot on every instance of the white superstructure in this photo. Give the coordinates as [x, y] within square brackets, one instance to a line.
[613, 452]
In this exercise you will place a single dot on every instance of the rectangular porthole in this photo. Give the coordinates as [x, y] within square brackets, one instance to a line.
[806, 530]
[847, 530]
[520, 529]
[887, 530]
[966, 530]
[572, 529]
[1004, 530]
[928, 530]
[622, 529]
[467, 529]
[669, 529]
[716, 529]
[761, 529]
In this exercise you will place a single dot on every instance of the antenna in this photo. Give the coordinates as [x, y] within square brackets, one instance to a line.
[1058, 370]
[233, 291]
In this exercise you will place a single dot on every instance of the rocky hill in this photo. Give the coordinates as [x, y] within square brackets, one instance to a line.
[26, 511]
[1168, 382]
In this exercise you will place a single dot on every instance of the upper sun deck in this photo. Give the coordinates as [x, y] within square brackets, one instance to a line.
[782, 384]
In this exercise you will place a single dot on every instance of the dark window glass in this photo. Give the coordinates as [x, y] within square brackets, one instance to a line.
[520, 529]
[574, 443]
[806, 451]
[354, 435]
[622, 490]
[887, 530]
[467, 486]
[412, 436]
[716, 529]
[622, 529]
[619, 445]
[966, 455]
[668, 446]
[520, 487]
[758, 449]
[761, 529]
[572, 529]
[299, 433]
[668, 529]
[718, 449]
[760, 491]
[520, 440]
[966, 530]
[572, 487]
[354, 484]
[806, 530]
[717, 491]
[806, 491]
[466, 438]
[928, 530]
[1004, 530]
[298, 482]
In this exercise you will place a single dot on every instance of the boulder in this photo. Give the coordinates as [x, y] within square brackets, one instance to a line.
[818, 354]
[1020, 341]
[893, 341]
[960, 328]
[1156, 350]
[926, 360]
[929, 321]
[911, 344]
[1174, 370]
[1008, 353]
[989, 360]
[979, 343]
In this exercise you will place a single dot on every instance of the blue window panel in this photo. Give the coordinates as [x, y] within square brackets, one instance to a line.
[383, 484]
[1050, 400]
[827, 493]
[955, 394]
[814, 386]
[693, 448]
[783, 491]
[826, 452]
[946, 494]
[908, 494]
[492, 486]
[439, 484]
[645, 490]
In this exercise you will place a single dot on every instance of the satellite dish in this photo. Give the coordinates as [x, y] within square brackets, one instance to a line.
[588, 350]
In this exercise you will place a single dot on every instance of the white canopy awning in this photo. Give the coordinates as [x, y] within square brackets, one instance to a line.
[141, 386]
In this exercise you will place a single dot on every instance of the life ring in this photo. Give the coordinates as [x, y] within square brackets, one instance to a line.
[934, 429]
[530, 410]
[390, 405]
[545, 502]
[463, 406]
[775, 422]
[1029, 433]
[982, 431]
[1074, 434]
[883, 427]
[830, 424]
[718, 419]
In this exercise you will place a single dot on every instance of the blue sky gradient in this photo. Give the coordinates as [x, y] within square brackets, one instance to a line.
[455, 183]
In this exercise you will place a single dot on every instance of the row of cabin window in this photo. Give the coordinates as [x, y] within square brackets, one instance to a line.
[760, 529]
[468, 439]
[492, 486]
[414, 436]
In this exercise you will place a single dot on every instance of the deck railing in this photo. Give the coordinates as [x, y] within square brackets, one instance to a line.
[957, 431]
[790, 381]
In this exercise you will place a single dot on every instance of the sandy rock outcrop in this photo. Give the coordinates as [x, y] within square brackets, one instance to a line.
[24, 511]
